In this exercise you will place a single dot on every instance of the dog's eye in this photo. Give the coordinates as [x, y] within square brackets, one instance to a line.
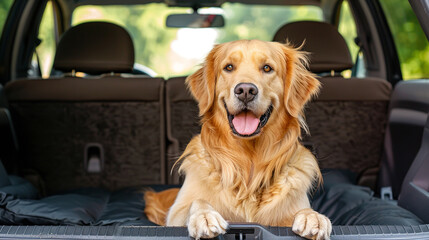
[229, 67]
[267, 69]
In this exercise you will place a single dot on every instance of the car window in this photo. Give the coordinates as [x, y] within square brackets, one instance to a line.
[347, 28]
[410, 40]
[5, 6]
[43, 56]
[174, 52]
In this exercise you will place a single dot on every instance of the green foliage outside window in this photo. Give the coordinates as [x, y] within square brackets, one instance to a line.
[262, 22]
[4, 10]
[410, 40]
[47, 46]
[347, 28]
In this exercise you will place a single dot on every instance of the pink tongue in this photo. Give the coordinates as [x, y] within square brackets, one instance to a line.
[245, 123]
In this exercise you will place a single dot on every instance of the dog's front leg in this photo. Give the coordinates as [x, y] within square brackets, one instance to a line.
[311, 224]
[200, 218]
[204, 221]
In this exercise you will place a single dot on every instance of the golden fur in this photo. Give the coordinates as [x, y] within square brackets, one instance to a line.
[263, 178]
[158, 214]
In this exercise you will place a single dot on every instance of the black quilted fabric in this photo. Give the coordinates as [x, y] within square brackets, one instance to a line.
[20, 204]
[345, 203]
[347, 134]
[53, 138]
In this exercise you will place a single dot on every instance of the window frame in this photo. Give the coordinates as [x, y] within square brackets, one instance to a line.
[378, 49]
[384, 34]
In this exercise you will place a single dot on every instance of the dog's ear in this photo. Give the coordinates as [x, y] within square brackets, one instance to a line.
[202, 83]
[299, 84]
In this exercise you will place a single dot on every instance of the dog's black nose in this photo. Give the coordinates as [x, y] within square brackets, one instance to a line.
[246, 92]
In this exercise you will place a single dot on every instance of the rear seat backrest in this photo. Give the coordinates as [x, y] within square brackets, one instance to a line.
[347, 119]
[57, 118]
[182, 120]
[347, 126]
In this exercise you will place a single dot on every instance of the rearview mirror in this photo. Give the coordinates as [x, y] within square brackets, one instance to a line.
[195, 20]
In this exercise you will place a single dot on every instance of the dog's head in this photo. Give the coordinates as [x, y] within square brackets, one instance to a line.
[250, 81]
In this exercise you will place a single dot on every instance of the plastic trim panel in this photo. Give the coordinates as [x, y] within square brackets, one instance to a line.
[236, 231]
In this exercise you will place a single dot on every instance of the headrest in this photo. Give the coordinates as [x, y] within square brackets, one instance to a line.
[328, 49]
[94, 48]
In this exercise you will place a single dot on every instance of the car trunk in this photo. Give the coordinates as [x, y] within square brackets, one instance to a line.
[78, 168]
[30, 210]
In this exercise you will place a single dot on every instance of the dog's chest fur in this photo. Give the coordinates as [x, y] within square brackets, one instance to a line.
[246, 196]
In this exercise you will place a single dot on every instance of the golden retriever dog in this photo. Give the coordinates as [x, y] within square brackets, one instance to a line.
[247, 165]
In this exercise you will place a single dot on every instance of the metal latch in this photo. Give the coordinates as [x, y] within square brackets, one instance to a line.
[386, 193]
[239, 231]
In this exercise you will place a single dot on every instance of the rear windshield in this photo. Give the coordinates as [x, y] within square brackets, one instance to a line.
[176, 52]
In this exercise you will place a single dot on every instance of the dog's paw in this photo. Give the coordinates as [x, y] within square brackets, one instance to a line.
[312, 225]
[206, 224]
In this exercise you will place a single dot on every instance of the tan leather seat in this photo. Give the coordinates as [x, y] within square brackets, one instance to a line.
[347, 120]
[59, 120]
